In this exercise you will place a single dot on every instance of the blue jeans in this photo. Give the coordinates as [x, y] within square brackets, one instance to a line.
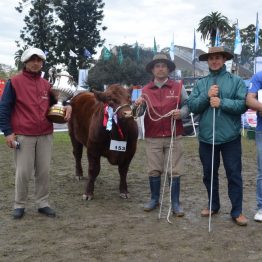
[231, 154]
[259, 170]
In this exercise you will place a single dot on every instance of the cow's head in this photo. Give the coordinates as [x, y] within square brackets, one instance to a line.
[118, 98]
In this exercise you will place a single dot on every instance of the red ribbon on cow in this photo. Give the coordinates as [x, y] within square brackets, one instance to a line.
[105, 115]
[105, 120]
[120, 131]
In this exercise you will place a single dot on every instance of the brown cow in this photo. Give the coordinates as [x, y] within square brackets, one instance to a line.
[87, 127]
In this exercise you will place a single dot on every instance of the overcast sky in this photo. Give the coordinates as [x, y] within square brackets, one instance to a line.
[129, 21]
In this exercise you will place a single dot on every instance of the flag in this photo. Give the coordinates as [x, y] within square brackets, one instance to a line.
[194, 49]
[120, 56]
[172, 50]
[82, 77]
[155, 47]
[87, 54]
[217, 40]
[238, 44]
[137, 49]
[72, 54]
[106, 54]
[257, 35]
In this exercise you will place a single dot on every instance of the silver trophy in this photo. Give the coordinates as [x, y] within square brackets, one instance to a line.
[63, 88]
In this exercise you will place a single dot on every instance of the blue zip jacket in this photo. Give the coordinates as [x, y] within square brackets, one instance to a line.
[6, 104]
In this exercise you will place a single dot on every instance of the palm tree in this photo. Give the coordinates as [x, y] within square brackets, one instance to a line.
[17, 57]
[209, 24]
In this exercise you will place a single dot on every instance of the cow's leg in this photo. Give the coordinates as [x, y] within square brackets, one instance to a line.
[123, 169]
[77, 152]
[93, 171]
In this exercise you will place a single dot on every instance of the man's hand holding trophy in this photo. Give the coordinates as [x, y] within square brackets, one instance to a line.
[63, 88]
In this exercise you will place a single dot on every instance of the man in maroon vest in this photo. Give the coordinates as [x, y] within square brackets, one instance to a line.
[166, 105]
[23, 108]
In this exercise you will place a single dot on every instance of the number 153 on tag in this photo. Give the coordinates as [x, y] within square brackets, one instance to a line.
[118, 145]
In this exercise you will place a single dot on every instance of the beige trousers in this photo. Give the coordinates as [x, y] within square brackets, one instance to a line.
[33, 159]
[157, 150]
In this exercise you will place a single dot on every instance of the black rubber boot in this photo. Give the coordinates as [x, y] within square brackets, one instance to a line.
[155, 193]
[175, 193]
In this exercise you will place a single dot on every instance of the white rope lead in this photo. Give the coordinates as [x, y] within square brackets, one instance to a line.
[171, 168]
[212, 170]
[149, 105]
[193, 123]
[170, 155]
[163, 190]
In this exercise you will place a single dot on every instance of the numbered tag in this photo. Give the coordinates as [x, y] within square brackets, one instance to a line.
[118, 145]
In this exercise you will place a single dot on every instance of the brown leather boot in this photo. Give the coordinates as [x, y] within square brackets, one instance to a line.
[241, 220]
[205, 212]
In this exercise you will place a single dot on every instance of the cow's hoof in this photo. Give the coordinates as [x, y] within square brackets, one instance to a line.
[87, 197]
[79, 178]
[82, 178]
[124, 195]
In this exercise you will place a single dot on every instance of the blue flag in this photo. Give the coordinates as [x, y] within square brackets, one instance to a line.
[172, 50]
[238, 44]
[217, 40]
[257, 35]
[194, 48]
[87, 54]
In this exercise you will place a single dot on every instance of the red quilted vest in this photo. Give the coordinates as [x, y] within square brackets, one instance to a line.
[31, 106]
[163, 99]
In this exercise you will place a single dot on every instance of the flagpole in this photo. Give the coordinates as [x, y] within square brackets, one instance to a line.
[237, 48]
[194, 54]
[255, 46]
[237, 66]
[194, 70]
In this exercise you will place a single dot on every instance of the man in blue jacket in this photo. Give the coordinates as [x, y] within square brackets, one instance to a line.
[224, 94]
[254, 101]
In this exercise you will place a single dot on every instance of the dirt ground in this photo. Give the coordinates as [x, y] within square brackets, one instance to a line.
[109, 228]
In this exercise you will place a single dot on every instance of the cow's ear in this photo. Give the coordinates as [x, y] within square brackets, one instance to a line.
[100, 96]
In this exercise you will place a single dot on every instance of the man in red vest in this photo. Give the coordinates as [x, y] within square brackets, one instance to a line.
[166, 103]
[23, 108]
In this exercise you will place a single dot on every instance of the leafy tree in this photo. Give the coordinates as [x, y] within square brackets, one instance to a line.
[130, 72]
[6, 71]
[247, 40]
[80, 22]
[18, 55]
[56, 26]
[209, 24]
[40, 30]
